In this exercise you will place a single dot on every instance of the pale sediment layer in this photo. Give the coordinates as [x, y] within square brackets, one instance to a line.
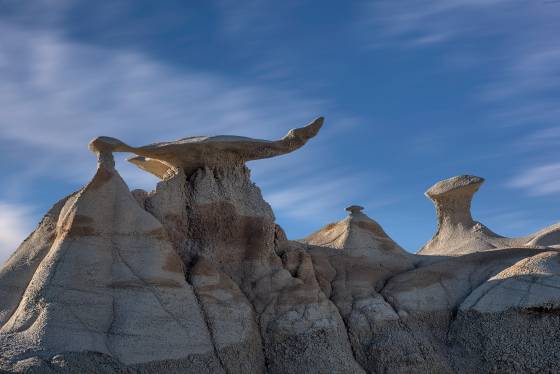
[196, 277]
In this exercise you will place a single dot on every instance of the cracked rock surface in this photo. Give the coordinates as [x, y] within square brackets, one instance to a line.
[196, 277]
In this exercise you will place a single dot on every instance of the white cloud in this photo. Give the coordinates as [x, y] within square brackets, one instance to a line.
[539, 180]
[57, 95]
[16, 222]
[317, 197]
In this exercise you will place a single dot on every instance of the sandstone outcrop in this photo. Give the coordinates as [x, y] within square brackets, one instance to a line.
[197, 277]
[110, 282]
[190, 154]
[457, 232]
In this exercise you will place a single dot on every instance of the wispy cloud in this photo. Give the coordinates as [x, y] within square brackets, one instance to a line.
[317, 197]
[15, 223]
[539, 180]
[513, 40]
[57, 94]
[416, 23]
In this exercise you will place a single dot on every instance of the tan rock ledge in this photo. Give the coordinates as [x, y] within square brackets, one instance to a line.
[196, 152]
[151, 165]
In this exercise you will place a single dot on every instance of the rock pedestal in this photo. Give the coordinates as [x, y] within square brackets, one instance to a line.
[197, 277]
[457, 232]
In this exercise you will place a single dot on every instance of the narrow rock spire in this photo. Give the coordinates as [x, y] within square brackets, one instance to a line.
[457, 233]
[452, 198]
[104, 147]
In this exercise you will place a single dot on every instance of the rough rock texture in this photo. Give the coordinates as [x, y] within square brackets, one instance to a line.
[110, 283]
[189, 154]
[196, 277]
[231, 319]
[511, 322]
[457, 232]
[17, 272]
[353, 260]
[219, 215]
[152, 166]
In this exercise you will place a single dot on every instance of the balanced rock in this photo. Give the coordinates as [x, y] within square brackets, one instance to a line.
[197, 277]
[192, 153]
[213, 212]
[457, 233]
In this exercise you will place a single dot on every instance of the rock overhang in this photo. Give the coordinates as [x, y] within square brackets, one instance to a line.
[207, 151]
[454, 184]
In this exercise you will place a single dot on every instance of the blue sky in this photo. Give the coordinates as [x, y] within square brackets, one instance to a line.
[413, 92]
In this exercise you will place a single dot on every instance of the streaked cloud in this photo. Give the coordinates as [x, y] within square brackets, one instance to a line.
[539, 180]
[513, 40]
[16, 221]
[57, 94]
[424, 22]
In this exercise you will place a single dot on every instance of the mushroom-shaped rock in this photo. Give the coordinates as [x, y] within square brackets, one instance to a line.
[197, 152]
[354, 209]
[452, 198]
[459, 234]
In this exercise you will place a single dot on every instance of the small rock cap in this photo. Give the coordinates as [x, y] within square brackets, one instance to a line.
[105, 144]
[453, 184]
[355, 209]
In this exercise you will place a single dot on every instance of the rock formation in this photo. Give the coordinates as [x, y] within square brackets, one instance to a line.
[457, 232]
[190, 154]
[197, 277]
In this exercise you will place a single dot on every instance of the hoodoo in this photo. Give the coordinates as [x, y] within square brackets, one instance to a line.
[110, 282]
[457, 232]
[192, 153]
[197, 277]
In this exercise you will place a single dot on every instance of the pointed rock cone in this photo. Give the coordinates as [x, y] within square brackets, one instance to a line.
[358, 235]
[197, 152]
[18, 270]
[110, 283]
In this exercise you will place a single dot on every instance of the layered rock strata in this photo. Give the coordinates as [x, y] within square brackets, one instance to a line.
[110, 282]
[197, 277]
